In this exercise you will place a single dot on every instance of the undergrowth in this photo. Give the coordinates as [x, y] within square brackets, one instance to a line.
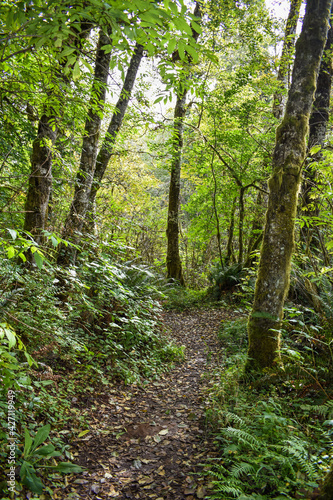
[274, 434]
[57, 343]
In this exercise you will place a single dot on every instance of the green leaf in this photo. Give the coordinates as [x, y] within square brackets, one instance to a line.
[13, 233]
[315, 150]
[171, 45]
[29, 358]
[11, 337]
[67, 51]
[68, 468]
[55, 242]
[45, 450]
[193, 53]
[10, 252]
[76, 71]
[39, 260]
[182, 25]
[22, 256]
[181, 50]
[41, 435]
[196, 27]
[30, 479]
[159, 99]
[27, 443]
[83, 433]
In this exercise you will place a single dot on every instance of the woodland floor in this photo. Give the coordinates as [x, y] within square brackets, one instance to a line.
[149, 443]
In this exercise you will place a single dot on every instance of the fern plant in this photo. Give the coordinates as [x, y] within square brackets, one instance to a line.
[259, 459]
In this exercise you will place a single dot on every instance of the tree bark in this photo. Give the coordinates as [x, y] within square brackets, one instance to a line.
[217, 219]
[106, 150]
[229, 257]
[173, 261]
[174, 266]
[241, 225]
[75, 219]
[256, 231]
[40, 179]
[317, 135]
[288, 45]
[289, 154]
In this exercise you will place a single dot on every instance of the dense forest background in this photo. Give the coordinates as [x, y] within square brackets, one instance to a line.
[137, 142]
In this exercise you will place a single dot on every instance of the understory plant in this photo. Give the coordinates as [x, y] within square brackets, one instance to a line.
[103, 324]
[274, 433]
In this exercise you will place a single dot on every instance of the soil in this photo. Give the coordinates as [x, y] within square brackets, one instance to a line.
[151, 442]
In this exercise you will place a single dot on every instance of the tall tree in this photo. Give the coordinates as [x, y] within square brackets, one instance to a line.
[173, 261]
[40, 179]
[289, 154]
[107, 147]
[285, 61]
[84, 178]
[317, 135]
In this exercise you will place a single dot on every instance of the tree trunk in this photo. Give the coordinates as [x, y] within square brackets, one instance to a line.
[229, 257]
[217, 219]
[318, 127]
[174, 266]
[256, 231]
[40, 180]
[79, 206]
[289, 155]
[241, 225]
[285, 61]
[106, 150]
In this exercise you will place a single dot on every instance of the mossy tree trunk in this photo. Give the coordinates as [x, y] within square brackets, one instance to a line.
[78, 209]
[256, 230]
[241, 225]
[289, 154]
[285, 61]
[317, 135]
[40, 179]
[216, 213]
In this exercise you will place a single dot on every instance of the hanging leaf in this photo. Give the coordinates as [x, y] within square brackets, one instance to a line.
[76, 71]
[13, 233]
[39, 260]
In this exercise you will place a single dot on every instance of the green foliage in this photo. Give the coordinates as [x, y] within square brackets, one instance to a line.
[33, 457]
[271, 442]
[181, 299]
[225, 278]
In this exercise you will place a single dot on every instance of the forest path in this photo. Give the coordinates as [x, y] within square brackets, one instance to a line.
[149, 443]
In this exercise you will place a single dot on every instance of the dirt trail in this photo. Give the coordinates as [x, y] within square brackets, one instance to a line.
[149, 443]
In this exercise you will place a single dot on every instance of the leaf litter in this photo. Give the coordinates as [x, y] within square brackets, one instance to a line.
[150, 442]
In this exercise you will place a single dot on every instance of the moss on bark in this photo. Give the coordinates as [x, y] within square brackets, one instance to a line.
[289, 154]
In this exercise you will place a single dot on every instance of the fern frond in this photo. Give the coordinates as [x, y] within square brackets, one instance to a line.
[232, 417]
[243, 436]
[325, 410]
[238, 470]
[297, 450]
